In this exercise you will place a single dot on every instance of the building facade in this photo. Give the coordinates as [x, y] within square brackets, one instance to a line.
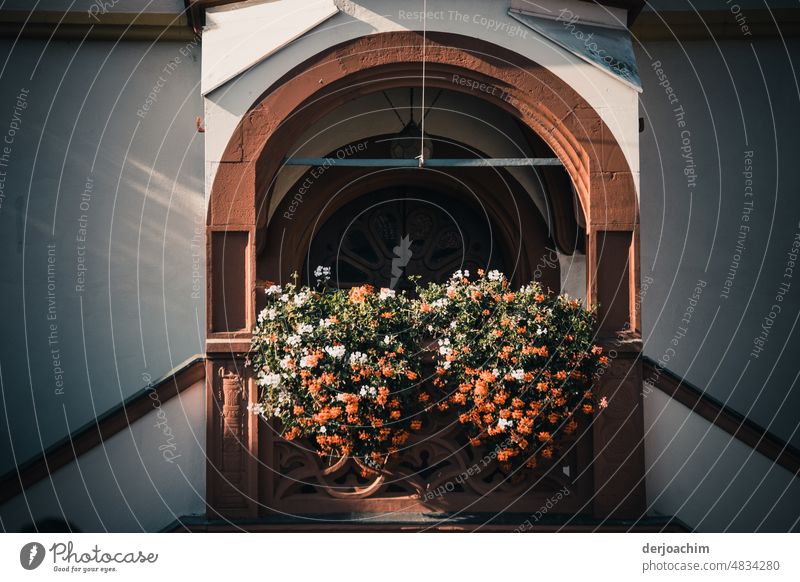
[164, 165]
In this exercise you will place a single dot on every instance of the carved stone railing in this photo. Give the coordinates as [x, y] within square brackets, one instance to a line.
[252, 471]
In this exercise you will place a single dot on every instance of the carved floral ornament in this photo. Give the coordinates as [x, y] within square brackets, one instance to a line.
[354, 373]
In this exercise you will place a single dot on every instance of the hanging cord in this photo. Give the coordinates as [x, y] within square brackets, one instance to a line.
[422, 102]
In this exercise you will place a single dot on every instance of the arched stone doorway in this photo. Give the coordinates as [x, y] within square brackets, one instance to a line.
[246, 250]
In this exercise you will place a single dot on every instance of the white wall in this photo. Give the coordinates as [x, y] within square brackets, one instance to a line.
[710, 480]
[737, 98]
[141, 479]
[137, 315]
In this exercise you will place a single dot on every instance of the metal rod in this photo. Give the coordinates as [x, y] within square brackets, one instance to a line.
[434, 163]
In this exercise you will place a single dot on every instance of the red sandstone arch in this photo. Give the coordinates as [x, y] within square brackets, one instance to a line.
[540, 100]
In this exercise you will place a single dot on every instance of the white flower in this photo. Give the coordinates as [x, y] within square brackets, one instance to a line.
[518, 375]
[495, 275]
[293, 340]
[358, 358]
[387, 293]
[335, 351]
[256, 408]
[323, 429]
[541, 330]
[300, 298]
[387, 340]
[368, 390]
[322, 272]
[447, 364]
[284, 362]
[262, 316]
[269, 379]
[273, 290]
[304, 328]
[307, 361]
[284, 298]
[439, 303]
[453, 324]
[460, 274]
[502, 424]
[341, 397]
[327, 322]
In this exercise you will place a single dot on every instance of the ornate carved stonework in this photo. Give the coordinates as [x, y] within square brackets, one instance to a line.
[228, 448]
[438, 471]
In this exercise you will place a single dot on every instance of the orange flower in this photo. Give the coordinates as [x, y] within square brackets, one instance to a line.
[587, 408]
[359, 294]
[416, 424]
[383, 395]
[487, 376]
[544, 436]
[547, 452]
[538, 297]
[411, 375]
[387, 315]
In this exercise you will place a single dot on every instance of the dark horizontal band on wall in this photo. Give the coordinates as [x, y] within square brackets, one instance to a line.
[76, 25]
[429, 522]
[718, 24]
[105, 426]
[724, 417]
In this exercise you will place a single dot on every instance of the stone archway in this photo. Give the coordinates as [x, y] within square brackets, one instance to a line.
[541, 101]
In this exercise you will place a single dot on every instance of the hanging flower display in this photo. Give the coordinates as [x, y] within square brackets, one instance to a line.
[517, 366]
[343, 368]
[340, 368]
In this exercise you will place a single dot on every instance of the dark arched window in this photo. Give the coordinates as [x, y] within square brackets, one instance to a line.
[387, 236]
